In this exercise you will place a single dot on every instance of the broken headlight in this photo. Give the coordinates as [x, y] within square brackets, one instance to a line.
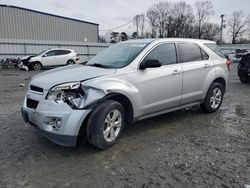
[68, 93]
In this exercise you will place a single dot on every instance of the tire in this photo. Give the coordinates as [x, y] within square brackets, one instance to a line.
[37, 66]
[214, 98]
[70, 62]
[101, 120]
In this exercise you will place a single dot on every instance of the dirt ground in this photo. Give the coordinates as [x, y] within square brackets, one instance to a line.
[186, 148]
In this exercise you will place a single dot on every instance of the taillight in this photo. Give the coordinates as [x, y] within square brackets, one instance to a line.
[228, 64]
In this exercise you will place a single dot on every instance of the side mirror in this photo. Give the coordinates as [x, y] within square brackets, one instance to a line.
[45, 55]
[150, 63]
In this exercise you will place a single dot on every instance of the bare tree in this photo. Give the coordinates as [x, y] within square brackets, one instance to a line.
[161, 11]
[152, 19]
[183, 19]
[203, 12]
[211, 31]
[237, 25]
[139, 21]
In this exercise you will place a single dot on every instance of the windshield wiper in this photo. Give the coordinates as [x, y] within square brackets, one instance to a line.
[99, 65]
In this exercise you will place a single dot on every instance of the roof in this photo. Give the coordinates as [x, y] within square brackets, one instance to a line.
[48, 14]
[169, 40]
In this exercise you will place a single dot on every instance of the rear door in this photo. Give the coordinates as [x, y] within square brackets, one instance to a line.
[196, 66]
[63, 57]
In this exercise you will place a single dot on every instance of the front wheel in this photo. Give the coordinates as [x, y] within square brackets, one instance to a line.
[105, 124]
[37, 66]
[213, 98]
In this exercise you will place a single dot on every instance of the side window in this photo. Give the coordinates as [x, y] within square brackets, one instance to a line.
[50, 53]
[204, 55]
[63, 52]
[165, 53]
[189, 52]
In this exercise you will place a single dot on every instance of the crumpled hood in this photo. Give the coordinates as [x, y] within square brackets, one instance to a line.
[26, 57]
[71, 73]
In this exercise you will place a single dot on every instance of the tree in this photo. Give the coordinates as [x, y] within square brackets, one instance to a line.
[183, 19]
[123, 36]
[114, 38]
[102, 39]
[203, 12]
[236, 25]
[152, 19]
[211, 31]
[139, 21]
[161, 12]
[134, 35]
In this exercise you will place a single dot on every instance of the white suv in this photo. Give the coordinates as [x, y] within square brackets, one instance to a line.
[49, 58]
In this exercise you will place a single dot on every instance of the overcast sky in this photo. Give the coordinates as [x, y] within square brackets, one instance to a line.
[114, 13]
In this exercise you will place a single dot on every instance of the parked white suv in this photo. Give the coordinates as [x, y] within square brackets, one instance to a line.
[49, 58]
[127, 82]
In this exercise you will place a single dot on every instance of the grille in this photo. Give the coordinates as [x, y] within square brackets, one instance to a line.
[36, 89]
[32, 103]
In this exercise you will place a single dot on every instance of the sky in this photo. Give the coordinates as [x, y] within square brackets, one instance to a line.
[114, 13]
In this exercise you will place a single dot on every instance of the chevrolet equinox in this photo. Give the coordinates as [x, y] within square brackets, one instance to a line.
[127, 82]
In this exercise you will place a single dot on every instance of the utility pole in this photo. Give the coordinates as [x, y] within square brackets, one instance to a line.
[223, 25]
[137, 23]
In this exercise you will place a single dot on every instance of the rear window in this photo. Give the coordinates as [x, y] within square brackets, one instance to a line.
[215, 48]
[189, 52]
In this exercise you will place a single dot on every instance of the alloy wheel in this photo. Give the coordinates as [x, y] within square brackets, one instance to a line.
[112, 125]
[216, 98]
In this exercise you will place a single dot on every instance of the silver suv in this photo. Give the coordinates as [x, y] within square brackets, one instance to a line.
[127, 82]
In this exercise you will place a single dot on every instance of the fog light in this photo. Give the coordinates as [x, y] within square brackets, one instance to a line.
[58, 123]
[53, 123]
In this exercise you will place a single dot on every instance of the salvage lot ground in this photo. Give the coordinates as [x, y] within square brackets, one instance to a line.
[187, 148]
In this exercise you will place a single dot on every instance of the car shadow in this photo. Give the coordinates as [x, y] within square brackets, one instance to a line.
[166, 121]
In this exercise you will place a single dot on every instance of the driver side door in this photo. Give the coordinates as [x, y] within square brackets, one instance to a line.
[161, 88]
[49, 59]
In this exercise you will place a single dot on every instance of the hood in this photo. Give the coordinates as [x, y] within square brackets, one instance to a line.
[26, 57]
[71, 73]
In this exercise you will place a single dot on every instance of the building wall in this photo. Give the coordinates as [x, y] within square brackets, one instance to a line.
[19, 23]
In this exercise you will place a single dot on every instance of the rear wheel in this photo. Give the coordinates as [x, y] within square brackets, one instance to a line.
[70, 62]
[213, 98]
[105, 124]
[37, 66]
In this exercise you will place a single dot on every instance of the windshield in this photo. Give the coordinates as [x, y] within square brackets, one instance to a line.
[215, 48]
[118, 55]
[41, 53]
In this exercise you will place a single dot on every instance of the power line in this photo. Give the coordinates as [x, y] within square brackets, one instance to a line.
[117, 27]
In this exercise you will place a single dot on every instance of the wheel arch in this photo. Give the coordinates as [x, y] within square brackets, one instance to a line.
[121, 98]
[221, 81]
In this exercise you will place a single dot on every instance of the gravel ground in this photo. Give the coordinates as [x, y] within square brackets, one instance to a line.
[186, 148]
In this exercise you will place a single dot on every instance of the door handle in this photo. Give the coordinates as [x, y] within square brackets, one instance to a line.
[175, 72]
[206, 65]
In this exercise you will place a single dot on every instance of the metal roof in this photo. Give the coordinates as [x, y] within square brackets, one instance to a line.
[48, 14]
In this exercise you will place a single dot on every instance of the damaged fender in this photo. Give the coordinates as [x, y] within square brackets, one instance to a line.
[91, 96]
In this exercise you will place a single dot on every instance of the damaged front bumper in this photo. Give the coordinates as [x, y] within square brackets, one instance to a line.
[56, 121]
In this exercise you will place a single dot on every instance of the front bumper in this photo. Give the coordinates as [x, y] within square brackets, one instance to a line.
[47, 113]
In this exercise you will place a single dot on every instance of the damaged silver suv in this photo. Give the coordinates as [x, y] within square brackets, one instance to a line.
[127, 82]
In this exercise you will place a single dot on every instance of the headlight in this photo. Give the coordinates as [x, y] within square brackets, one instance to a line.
[67, 92]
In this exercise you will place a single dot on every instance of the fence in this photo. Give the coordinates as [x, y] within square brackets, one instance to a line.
[11, 48]
[230, 48]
